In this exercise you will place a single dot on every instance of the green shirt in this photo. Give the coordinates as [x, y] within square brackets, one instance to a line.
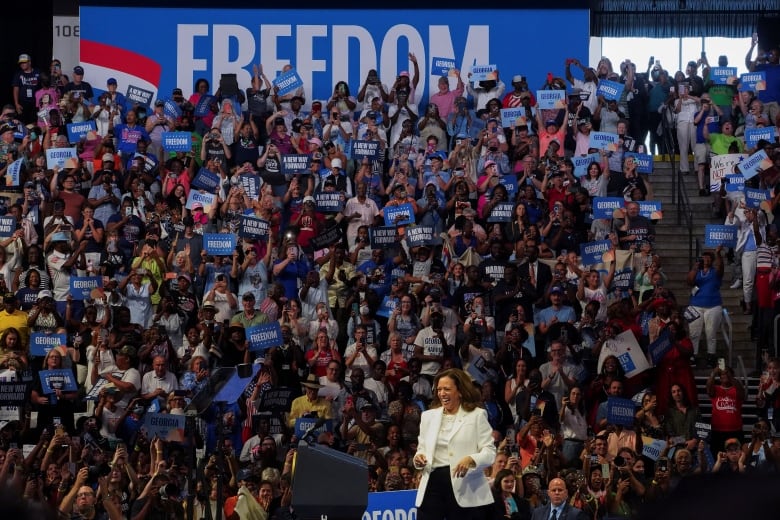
[720, 143]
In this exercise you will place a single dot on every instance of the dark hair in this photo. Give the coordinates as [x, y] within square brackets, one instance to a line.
[470, 397]
[501, 475]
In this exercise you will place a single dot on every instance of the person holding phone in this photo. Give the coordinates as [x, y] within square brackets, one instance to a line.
[727, 395]
[705, 278]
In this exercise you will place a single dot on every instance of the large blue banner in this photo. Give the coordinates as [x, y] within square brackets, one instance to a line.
[325, 45]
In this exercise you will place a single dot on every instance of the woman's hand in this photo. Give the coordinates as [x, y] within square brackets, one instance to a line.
[420, 460]
[463, 466]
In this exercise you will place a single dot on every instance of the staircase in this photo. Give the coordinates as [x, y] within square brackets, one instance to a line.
[672, 245]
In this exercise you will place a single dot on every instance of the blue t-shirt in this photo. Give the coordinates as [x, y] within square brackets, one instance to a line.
[708, 294]
[127, 138]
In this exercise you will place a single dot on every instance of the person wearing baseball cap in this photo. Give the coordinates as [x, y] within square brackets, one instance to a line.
[550, 130]
[78, 85]
[25, 82]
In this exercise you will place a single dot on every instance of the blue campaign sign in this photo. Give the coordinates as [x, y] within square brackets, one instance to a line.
[442, 66]
[287, 82]
[752, 81]
[235, 386]
[7, 226]
[603, 141]
[177, 141]
[650, 209]
[41, 343]
[78, 131]
[326, 45]
[205, 180]
[735, 182]
[754, 164]
[60, 379]
[510, 183]
[509, 116]
[293, 163]
[253, 227]
[399, 215]
[623, 279]
[207, 199]
[754, 197]
[658, 348]
[219, 244]
[56, 157]
[137, 95]
[603, 207]
[331, 202]
[203, 107]
[502, 212]
[754, 135]
[381, 236]
[550, 99]
[172, 109]
[592, 253]
[419, 235]
[644, 162]
[166, 426]
[387, 307]
[610, 89]
[367, 149]
[263, 337]
[482, 72]
[723, 75]
[80, 287]
[391, 505]
[583, 162]
[13, 172]
[251, 185]
[302, 425]
[620, 411]
[719, 235]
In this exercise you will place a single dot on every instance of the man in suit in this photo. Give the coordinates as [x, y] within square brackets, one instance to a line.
[538, 274]
[558, 508]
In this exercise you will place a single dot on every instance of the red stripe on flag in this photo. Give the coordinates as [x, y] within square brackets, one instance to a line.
[120, 59]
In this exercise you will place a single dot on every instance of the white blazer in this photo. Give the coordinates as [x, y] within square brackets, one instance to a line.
[471, 435]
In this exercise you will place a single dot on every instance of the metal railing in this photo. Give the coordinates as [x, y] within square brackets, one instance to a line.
[679, 191]
[727, 331]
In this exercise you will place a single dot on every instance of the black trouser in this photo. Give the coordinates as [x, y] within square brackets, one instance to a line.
[439, 501]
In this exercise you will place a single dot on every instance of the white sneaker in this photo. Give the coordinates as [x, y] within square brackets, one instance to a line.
[737, 284]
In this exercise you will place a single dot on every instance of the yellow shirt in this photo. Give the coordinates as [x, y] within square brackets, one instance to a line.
[338, 289]
[301, 405]
[17, 320]
[152, 270]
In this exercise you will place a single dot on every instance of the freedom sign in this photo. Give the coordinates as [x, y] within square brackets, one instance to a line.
[620, 411]
[219, 244]
[609, 90]
[754, 135]
[81, 286]
[205, 180]
[399, 215]
[263, 337]
[41, 343]
[60, 379]
[719, 235]
[177, 141]
[253, 228]
[287, 82]
[78, 131]
[644, 162]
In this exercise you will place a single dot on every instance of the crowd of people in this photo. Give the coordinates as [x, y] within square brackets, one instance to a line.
[370, 309]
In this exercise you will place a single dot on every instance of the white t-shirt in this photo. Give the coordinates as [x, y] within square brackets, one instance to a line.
[431, 345]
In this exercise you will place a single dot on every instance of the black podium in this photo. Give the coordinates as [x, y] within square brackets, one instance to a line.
[329, 484]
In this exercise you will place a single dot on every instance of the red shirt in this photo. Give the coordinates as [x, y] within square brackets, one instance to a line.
[726, 409]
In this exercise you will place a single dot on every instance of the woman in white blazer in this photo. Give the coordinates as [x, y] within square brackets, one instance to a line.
[454, 448]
